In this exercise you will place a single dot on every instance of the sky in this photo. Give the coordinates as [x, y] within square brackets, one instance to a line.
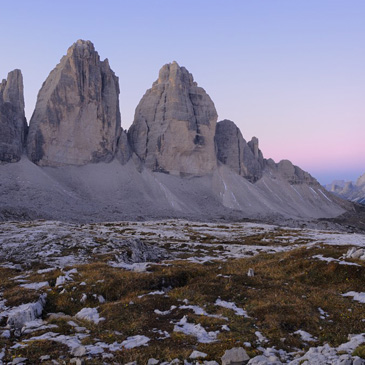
[291, 73]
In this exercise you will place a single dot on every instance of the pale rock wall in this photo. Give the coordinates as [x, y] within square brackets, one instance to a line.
[232, 149]
[174, 125]
[76, 119]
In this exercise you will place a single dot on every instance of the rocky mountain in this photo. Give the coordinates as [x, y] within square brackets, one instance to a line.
[13, 125]
[247, 160]
[174, 125]
[232, 150]
[77, 119]
[353, 191]
[175, 160]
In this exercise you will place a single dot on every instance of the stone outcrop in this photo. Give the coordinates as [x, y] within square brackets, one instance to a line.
[76, 118]
[244, 158]
[13, 125]
[292, 173]
[124, 152]
[174, 125]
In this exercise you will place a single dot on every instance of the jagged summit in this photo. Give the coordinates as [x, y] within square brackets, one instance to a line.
[76, 118]
[174, 125]
[173, 73]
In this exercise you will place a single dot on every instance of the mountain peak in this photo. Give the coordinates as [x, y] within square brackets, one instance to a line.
[175, 74]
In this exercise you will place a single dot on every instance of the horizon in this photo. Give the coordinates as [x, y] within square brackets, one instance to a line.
[288, 73]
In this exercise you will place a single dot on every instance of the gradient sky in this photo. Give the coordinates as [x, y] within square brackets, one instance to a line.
[290, 72]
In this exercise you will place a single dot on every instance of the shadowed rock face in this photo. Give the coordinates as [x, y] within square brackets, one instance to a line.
[76, 118]
[174, 125]
[13, 125]
[244, 158]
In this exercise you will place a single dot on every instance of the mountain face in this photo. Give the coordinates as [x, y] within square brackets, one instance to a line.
[353, 191]
[75, 129]
[174, 125]
[13, 125]
[247, 160]
[232, 150]
[76, 119]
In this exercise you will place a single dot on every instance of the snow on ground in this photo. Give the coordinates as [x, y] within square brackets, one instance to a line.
[196, 330]
[165, 313]
[200, 311]
[89, 314]
[260, 337]
[359, 297]
[231, 305]
[135, 341]
[305, 336]
[331, 259]
[323, 314]
[35, 286]
[156, 292]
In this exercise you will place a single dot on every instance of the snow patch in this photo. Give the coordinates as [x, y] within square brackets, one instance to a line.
[359, 297]
[196, 330]
[35, 286]
[89, 314]
[135, 341]
[305, 336]
[231, 305]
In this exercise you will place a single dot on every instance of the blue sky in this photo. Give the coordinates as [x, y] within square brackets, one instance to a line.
[289, 72]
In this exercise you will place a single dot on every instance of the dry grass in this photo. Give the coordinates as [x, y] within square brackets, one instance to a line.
[282, 297]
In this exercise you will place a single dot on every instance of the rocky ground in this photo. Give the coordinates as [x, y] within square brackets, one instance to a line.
[176, 291]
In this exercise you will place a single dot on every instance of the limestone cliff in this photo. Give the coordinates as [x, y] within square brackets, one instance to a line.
[13, 125]
[174, 125]
[244, 158]
[76, 119]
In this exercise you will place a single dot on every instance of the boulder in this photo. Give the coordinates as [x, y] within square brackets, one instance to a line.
[13, 124]
[18, 316]
[232, 149]
[76, 119]
[174, 125]
[235, 356]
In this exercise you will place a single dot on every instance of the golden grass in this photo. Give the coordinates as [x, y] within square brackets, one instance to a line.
[282, 297]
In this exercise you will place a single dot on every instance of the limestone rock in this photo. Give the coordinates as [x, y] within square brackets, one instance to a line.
[76, 119]
[235, 356]
[244, 158]
[174, 125]
[13, 125]
[18, 316]
[294, 174]
[124, 152]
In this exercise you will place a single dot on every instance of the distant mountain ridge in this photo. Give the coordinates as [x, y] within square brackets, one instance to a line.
[349, 190]
[181, 161]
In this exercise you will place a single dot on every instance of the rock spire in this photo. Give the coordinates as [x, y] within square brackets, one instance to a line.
[76, 119]
[13, 125]
[244, 158]
[174, 125]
